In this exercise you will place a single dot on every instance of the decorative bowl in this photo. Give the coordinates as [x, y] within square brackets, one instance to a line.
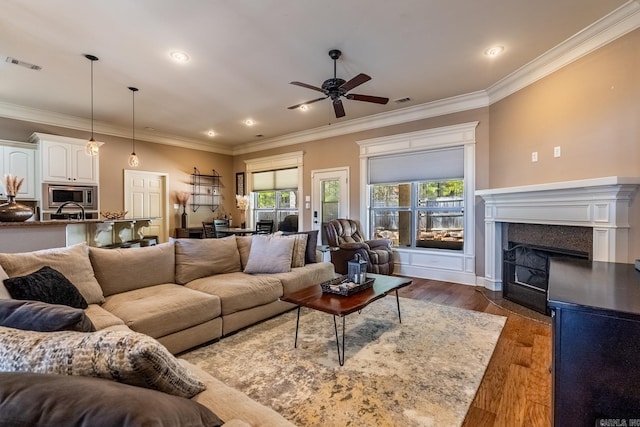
[114, 214]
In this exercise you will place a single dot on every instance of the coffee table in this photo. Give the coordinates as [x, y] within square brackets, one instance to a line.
[340, 306]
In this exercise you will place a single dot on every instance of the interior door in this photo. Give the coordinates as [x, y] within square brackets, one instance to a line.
[145, 196]
[330, 197]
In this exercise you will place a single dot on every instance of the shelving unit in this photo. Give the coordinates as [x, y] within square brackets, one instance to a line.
[205, 190]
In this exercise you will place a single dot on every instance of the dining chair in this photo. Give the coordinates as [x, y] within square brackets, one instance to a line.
[264, 227]
[209, 230]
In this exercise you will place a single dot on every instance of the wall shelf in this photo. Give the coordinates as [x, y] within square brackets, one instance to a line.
[205, 190]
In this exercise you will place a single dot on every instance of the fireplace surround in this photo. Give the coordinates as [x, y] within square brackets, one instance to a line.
[602, 204]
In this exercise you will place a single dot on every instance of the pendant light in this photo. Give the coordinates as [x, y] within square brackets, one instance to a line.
[92, 148]
[133, 158]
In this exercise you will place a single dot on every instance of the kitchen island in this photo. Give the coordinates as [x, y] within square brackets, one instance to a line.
[34, 235]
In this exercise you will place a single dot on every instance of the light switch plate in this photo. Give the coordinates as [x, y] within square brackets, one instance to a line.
[534, 156]
[556, 151]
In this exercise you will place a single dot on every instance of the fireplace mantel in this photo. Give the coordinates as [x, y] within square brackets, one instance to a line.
[599, 203]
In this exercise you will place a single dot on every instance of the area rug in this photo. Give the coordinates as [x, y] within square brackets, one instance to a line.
[424, 371]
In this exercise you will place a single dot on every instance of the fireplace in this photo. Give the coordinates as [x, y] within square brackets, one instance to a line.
[526, 273]
[599, 205]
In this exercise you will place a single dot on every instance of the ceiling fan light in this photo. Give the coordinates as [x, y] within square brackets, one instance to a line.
[304, 107]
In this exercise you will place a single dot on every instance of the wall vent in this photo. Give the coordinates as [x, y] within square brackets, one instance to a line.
[402, 100]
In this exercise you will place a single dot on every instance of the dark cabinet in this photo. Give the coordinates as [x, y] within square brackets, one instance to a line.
[596, 342]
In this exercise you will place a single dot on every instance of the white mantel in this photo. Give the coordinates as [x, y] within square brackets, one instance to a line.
[599, 203]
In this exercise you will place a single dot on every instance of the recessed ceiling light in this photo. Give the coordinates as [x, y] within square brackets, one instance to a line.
[304, 107]
[249, 122]
[211, 133]
[494, 51]
[179, 56]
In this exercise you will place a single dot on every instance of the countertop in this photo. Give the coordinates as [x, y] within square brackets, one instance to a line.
[70, 221]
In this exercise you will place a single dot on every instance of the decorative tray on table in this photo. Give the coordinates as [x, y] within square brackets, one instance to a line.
[342, 286]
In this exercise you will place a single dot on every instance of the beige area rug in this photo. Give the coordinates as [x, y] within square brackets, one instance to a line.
[423, 372]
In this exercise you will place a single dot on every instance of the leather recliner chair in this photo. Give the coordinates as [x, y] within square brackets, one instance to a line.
[346, 235]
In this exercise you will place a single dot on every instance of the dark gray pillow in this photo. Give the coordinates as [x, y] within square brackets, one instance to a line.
[312, 243]
[28, 399]
[43, 317]
[46, 285]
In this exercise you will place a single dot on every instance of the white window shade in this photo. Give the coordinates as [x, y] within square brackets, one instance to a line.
[282, 179]
[418, 166]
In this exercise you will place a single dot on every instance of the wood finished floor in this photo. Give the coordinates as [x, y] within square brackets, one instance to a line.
[516, 388]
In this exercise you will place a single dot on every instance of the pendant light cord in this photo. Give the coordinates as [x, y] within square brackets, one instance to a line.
[133, 123]
[91, 98]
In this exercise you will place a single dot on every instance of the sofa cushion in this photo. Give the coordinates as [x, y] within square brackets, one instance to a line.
[123, 356]
[121, 270]
[101, 318]
[43, 317]
[244, 247]
[309, 275]
[28, 399]
[196, 258]
[269, 254]
[299, 249]
[239, 291]
[163, 309]
[46, 285]
[312, 244]
[73, 262]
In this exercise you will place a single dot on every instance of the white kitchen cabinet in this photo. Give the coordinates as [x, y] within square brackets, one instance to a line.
[19, 159]
[64, 160]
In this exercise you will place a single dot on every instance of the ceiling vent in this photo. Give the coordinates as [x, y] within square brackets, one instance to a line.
[402, 100]
[15, 61]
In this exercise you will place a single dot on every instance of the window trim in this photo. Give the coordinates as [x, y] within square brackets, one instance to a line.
[422, 262]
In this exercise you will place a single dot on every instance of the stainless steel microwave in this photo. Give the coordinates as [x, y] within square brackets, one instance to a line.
[54, 195]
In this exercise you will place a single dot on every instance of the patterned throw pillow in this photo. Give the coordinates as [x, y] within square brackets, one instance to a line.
[312, 244]
[123, 356]
[43, 317]
[299, 249]
[46, 285]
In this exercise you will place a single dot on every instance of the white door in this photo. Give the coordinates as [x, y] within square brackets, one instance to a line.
[330, 197]
[145, 196]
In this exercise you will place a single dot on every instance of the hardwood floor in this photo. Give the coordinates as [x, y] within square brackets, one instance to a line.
[516, 388]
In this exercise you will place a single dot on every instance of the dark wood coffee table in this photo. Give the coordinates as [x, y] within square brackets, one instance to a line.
[341, 306]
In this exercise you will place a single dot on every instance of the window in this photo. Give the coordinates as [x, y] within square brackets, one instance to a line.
[423, 214]
[274, 205]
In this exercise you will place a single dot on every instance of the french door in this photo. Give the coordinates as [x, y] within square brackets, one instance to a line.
[330, 197]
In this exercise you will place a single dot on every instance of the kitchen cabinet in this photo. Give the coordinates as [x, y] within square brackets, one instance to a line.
[19, 159]
[64, 160]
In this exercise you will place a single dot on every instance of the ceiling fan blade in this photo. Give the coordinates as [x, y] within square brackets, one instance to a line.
[293, 107]
[307, 86]
[356, 81]
[338, 108]
[368, 98]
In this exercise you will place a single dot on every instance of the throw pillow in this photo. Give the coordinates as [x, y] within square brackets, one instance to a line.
[312, 244]
[123, 356]
[269, 254]
[43, 317]
[299, 249]
[196, 258]
[39, 400]
[46, 285]
[72, 261]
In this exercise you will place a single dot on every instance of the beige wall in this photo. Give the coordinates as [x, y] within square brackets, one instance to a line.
[590, 108]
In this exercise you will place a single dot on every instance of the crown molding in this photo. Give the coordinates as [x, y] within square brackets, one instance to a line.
[403, 115]
[34, 115]
[607, 29]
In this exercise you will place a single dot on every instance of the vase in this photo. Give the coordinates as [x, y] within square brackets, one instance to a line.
[185, 218]
[13, 211]
[242, 220]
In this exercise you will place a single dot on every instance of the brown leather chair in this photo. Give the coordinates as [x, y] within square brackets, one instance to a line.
[346, 234]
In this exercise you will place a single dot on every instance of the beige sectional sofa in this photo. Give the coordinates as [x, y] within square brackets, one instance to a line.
[183, 293]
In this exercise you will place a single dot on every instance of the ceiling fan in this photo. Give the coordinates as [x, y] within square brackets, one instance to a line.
[335, 88]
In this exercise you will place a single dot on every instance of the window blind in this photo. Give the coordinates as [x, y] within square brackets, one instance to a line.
[419, 166]
[282, 179]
